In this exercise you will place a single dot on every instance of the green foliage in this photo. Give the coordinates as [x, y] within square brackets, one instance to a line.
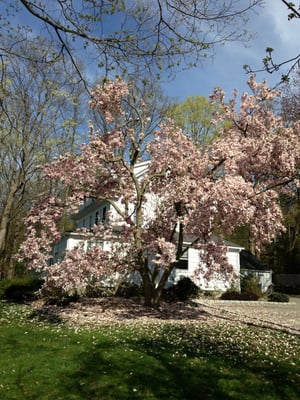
[279, 297]
[290, 290]
[96, 289]
[20, 289]
[58, 297]
[250, 284]
[128, 289]
[235, 295]
[184, 289]
[283, 254]
[194, 117]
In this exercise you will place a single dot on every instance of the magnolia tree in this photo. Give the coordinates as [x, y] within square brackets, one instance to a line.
[191, 191]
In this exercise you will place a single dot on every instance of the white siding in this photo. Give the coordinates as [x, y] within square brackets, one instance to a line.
[218, 283]
[87, 217]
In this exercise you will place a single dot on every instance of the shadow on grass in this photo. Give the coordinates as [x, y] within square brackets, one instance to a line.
[46, 315]
[150, 362]
[151, 369]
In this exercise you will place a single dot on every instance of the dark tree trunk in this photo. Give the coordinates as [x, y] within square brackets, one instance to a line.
[7, 227]
[153, 289]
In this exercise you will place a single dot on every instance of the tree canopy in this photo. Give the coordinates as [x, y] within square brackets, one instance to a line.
[184, 191]
[195, 117]
[40, 114]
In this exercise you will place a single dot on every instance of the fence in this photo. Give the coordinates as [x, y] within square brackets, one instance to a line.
[287, 282]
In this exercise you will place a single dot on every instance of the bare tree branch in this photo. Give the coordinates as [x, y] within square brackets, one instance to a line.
[160, 34]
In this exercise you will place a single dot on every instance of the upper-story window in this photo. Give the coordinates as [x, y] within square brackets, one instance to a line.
[104, 210]
[97, 218]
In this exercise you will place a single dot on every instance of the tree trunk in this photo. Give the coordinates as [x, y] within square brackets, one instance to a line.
[151, 296]
[153, 290]
[5, 226]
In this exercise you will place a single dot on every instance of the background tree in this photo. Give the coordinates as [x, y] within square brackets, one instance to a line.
[283, 254]
[184, 191]
[39, 119]
[118, 35]
[195, 117]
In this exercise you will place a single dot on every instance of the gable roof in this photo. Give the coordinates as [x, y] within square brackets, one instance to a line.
[249, 261]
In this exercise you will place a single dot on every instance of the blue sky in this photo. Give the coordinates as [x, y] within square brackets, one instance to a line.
[272, 29]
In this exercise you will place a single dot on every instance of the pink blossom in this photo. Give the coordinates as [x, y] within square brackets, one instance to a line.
[185, 190]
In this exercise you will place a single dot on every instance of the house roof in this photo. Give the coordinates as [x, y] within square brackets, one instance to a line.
[89, 206]
[189, 239]
[249, 261]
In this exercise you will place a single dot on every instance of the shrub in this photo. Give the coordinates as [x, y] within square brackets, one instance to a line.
[127, 290]
[250, 284]
[20, 289]
[183, 290]
[235, 295]
[186, 289]
[96, 289]
[57, 296]
[230, 295]
[279, 297]
[169, 294]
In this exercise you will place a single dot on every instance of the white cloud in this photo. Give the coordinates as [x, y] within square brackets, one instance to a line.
[272, 29]
[285, 30]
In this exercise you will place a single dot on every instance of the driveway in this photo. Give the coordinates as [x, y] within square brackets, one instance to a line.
[285, 316]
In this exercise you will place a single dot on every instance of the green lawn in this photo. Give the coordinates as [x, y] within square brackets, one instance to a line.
[206, 360]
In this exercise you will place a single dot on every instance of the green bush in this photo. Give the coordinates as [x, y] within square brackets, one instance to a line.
[169, 294]
[96, 289]
[127, 290]
[235, 295]
[20, 289]
[184, 289]
[250, 284]
[57, 296]
[279, 297]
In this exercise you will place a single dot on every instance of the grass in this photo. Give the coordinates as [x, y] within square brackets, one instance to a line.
[41, 360]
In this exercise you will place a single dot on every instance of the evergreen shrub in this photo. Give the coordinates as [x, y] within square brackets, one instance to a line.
[250, 284]
[128, 290]
[183, 290]
[279, 297]
[242, 296]
[20, 289]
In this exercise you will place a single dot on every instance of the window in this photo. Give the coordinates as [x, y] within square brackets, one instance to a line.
[97, 218]
[103, 214]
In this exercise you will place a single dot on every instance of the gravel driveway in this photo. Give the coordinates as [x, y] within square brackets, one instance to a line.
[285, 316]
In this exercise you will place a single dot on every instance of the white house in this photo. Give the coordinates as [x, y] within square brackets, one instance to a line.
[250, 265]
[93, 212]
